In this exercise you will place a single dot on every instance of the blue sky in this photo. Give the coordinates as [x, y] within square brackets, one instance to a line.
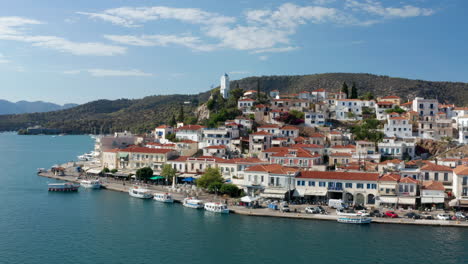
[79, 51]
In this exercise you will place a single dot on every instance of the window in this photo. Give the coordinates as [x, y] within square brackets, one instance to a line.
[311, 183]
[426, 176]
[322, 184]
[359, 185]
[262, 178]
[445, 176]
[368, 186]
[411, 188]
[349, 185]
[436, 176]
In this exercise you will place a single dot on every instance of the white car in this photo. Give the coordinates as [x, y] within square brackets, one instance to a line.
[363, 213]
[443, 217]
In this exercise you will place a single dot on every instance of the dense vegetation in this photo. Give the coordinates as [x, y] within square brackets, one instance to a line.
[141, 115]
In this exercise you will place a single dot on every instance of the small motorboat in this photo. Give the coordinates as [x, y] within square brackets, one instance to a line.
[192, 203]
[91, 184]
[163, 197]
[217, 208]
[141, 193]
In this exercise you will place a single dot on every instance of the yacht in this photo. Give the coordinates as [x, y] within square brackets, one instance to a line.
[163, 197]
[217, 208]
[92, 184]
[140, 193]
[63, 187]
[353, 218]
[192, 203]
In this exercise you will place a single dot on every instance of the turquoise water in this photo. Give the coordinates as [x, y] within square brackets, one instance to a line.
[97, 226]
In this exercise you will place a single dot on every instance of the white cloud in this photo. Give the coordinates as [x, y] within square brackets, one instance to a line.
[3, 59]
[275, 50]
[263, 57]
[131, 16]
[12, 28]
[323, 2]
[191, 42]
[110, 73]
[376, 8]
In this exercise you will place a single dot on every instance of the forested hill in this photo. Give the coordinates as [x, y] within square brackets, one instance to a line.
[140, 115]
[450, 92]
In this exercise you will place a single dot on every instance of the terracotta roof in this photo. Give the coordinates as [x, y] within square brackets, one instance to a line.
[191, 127]
[461, 170]
[163, 126]
[435, 167]
[433, 185]
[247, 99]
[384, 103]
[112, 150]
[216, 147]
[242, 160]
[187, 141]
[340, 154]
[461, 108]
[319, 90]
[181, 158]
[299, 153]
[261, 133]
[390, 177]
[394, 161]
[272, 168]
[344, 147]
[317, 135]
[269, 126]
[398, 118]
[391, 97]
[307, 146]
[408, 180]
[275, 91]
[339, 175]
[335, 133]
[147, 150]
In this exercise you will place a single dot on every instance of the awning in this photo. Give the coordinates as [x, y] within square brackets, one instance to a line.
[387, 186]
[388, 200]
[249, 199]
[94, 171]
[123, 155]
[432, 200]
[120, 175]
[311, 192]
[274, 193]
[157, 178]
[407, 200]
[275, 196]
[189, 179]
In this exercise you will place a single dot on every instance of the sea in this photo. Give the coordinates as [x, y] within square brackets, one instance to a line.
[102, 226]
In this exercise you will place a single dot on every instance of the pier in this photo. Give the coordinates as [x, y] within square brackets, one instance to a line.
[119, 186]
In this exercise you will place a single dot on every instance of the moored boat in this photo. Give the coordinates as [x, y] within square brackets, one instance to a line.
[192, 203]
[217, 208]
[163, 197]
[92, 184]
[140, 193]
[354, 219]
[63, 187]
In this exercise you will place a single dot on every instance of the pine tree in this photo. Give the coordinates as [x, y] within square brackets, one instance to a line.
[345, 89]
[354, 93]
[258, 90]
[181, 117]
[173, 121]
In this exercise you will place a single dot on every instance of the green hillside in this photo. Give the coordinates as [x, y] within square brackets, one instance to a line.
[140, 115]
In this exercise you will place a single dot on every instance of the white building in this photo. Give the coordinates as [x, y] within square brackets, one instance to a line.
[219, 136]
[161, 132]
[313, 119]
[399, 127]
[460, 185]
[190, 132]
[425, 107]
[392, 147]
[224, 86]
[462, 122]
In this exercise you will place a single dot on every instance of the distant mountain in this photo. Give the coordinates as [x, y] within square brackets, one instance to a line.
[21, 107]
[141, 115]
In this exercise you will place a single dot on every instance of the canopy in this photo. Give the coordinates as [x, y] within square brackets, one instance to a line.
[407, 200]
[94, 171]
[157, 178]
[274, 193]
[432, 200]
[189, 179]
[249, 199]
[388, 200]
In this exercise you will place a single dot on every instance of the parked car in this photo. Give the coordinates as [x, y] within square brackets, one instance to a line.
[336, 203]
[427, 216]
[310, 210]
[376, 213]
[460, 215]
[412, 215]
[391, 214]
[363, 213]
[285, 208]
[443, 217]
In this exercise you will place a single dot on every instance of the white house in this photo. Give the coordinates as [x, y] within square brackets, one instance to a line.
[313, 119]
[161, 132]
[190, 132]
[433, 193]
[460, 185]
[393, 147]
[399, 127]
[425, 107]
[219, 136]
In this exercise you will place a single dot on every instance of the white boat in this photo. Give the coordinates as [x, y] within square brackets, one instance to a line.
[88, 156]
[163, 197]
[192, 203]
[63, 187]
[354, 219]
[92, 184]
[140, 193]
[217, 208]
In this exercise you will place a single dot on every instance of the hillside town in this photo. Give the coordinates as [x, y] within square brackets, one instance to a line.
[311, 147]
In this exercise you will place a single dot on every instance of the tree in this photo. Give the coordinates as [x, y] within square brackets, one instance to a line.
[258, 90]
[368, 96]
[230, 189]
[354, 93]
[396, 109]
[144, 174]
[168, 172]
[211, 175]
[114, 170]
[214, 187]
[173, 121]
[180, 117]
[105, 170]
[345, 89]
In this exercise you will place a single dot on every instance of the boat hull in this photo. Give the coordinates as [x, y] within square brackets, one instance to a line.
[351, 220]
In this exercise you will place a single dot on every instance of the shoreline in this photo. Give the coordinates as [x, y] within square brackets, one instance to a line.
[265, 212]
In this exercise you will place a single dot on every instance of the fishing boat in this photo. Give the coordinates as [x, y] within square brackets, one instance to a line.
[163, 197]
[217, 208]
[192, 203]
[91, 184]
[63, 187]
[141, 193]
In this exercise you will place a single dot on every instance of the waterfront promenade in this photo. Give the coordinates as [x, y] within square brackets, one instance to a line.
[297, 210]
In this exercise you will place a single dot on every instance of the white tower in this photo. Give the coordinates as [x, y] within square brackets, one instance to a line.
[225, 86]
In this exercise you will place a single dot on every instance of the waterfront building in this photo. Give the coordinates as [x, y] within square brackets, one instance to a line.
[138, 157]
[118, 140]
[438, 173]
[387, 192]
[433, 193]
[352, 187]
[110, 159]
[460, 185]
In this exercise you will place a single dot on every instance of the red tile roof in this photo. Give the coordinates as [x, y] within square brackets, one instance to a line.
[461, 170]
[390, 177]
[394, 161]
[408, 180]
[433, 185]
[269, 126]
[435, 167]
[391, 97]
[344, 147]
[319, 90]
[191, 127]
[289, 128]
[272, 168]
[317, 135]
[307, 146]
[261, 133]
[340, 154]
[339, 175]
[242, 160]
[147, 150]
[246, 100]
[188, 141]
[216, 147]
[163, 126]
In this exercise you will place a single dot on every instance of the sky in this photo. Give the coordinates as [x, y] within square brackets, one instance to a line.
[79, 51]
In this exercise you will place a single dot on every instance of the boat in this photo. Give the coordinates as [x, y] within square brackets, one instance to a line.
[63, 187]
[217, 208]
[41, 170]
[163, 197]
[192, 203]
[88, 156]
[92, 184]
[140, 193]
[353, 218]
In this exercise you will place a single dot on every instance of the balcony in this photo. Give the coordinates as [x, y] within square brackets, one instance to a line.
[335, 188]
